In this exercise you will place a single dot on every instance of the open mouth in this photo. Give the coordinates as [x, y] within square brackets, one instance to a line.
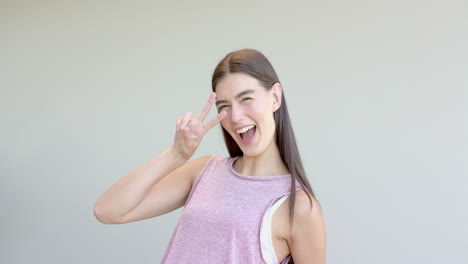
[247, 134]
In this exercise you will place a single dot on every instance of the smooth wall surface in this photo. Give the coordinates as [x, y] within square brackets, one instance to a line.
[377, 92]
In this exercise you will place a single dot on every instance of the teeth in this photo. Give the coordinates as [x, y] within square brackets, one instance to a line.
[243, 130]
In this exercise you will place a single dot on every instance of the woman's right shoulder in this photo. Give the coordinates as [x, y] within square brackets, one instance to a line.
[199, 164]
[204, 160]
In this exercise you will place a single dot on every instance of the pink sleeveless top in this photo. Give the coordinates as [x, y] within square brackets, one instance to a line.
[223, 216]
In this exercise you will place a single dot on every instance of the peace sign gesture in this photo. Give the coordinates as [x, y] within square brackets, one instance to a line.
[190, 130]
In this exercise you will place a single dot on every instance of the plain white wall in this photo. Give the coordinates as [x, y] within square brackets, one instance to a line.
[377, 91]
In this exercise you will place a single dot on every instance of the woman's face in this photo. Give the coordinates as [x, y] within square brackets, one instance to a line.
[249, 108]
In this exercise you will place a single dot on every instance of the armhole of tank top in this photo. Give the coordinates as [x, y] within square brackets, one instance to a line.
[266, 240]
[199, 177]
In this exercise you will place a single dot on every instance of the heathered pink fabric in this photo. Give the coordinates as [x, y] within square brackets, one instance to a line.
[222, 217]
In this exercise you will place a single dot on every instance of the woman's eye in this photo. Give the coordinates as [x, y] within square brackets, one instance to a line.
[246, 98]
[221, 108]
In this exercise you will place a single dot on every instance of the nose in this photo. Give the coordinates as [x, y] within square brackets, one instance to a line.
[237, 114]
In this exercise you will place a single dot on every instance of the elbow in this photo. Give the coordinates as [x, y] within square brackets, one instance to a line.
[98, 215]
[101, 217]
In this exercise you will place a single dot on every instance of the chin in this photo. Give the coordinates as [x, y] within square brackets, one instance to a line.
[252, 152]
[249, 154]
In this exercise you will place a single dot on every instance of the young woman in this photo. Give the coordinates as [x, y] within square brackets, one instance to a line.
[255, 206]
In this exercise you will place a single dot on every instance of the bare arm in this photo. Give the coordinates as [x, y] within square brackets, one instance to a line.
[146, 192]
[308, 236]
[125, 194]
[168, 194]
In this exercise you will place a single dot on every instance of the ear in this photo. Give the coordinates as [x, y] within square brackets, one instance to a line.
[277, 92]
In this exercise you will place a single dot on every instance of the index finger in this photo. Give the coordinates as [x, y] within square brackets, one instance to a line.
[207, 107]
[210, 124]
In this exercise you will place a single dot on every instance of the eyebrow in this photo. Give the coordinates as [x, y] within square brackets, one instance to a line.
[249, 91]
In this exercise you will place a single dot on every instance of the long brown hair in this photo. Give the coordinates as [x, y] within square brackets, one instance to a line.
[255, 64]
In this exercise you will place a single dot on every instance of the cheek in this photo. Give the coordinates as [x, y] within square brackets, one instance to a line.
[259, 112]
[225, 124]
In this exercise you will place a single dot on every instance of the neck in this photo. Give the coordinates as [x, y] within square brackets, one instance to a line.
[268, 163]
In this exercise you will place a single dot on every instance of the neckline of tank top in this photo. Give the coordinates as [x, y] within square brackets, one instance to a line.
[255, 178]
